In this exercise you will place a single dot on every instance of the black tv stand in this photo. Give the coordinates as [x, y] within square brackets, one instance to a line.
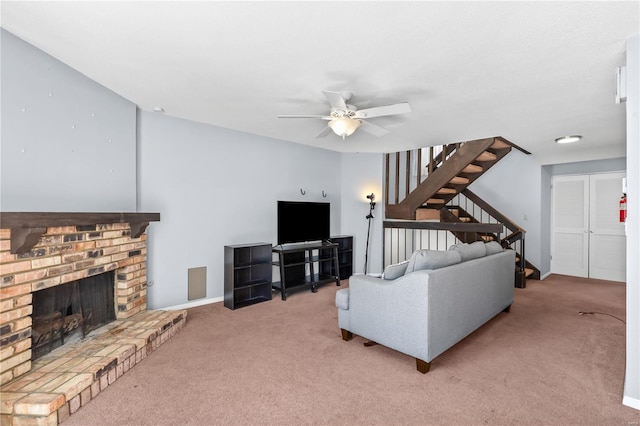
[293, 260]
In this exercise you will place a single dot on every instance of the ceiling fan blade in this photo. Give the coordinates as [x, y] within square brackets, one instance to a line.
[323, 133]
[335, 99]
[373, 129]
[324, 117]
[401, 108]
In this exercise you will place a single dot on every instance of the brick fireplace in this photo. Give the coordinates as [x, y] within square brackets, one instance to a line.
[42, 250]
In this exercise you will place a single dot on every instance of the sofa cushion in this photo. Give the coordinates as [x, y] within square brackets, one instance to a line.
[342, 298]
[493, 247]
[470, 251]
[391, 272]
[432, 259]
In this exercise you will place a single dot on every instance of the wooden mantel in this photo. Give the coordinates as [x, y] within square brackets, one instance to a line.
[27, 228]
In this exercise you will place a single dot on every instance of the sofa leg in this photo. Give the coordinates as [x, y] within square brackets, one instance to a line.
[370, 343]
[507, 309]
[346, 335]
[423, 366]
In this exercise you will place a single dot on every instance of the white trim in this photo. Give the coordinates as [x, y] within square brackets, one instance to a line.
[194, 304]
[545, 276]
[631, 402]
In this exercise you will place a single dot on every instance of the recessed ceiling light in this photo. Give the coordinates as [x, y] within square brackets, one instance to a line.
[569, 139]
[158, 109]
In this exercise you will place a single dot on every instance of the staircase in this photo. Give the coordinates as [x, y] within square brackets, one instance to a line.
[450, 172]
[443, 179]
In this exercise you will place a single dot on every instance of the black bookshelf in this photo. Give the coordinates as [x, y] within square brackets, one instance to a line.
[345, 257]
[247, 274]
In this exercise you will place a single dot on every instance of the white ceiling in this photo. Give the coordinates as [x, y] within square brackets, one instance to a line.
[527, 71]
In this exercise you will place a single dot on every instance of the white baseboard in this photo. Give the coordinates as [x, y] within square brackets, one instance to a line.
[545, 276]
[631, 402]
[193, 304]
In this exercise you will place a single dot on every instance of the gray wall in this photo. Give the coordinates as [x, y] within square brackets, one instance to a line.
[632, 374]
[362, 174]
[215, 187]
[68, 143]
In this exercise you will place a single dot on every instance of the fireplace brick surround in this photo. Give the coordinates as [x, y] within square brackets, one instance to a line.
[42, 250]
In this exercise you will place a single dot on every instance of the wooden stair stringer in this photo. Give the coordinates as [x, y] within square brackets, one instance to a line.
[483, 162]
[469, 174]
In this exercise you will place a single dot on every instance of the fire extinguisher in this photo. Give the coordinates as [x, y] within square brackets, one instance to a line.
[623, 208]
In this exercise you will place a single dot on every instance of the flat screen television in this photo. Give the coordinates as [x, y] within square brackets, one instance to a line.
[300, 221]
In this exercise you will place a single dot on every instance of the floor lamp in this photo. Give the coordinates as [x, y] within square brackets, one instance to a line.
[372, 205]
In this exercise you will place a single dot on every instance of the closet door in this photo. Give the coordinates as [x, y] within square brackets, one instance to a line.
[587, 238]
[607, 241]
[570, 226]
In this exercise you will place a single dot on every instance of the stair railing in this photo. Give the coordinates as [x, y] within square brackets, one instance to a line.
[410, 168]
[485, 212]
[481, 211]
[403, 237]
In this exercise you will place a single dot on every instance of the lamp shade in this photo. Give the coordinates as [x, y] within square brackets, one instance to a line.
[344, 126]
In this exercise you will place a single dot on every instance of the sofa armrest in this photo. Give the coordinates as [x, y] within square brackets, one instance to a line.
[393, 313]
[342, 299]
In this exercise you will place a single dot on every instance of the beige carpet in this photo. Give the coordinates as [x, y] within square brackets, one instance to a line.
[284, 363]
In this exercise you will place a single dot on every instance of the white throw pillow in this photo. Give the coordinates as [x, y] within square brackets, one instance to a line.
[391, 272]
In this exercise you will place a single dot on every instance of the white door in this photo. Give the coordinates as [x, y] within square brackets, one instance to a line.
[587, 238]
[607, 241]
[570, 222]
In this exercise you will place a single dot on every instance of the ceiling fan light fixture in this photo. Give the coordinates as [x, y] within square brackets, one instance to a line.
[569, 139]
[344, 126]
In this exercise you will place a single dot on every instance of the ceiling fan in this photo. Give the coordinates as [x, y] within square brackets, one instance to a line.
[344, 119]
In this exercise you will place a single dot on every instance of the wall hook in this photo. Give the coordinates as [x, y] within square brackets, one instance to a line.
[302, 192]
[324, 194]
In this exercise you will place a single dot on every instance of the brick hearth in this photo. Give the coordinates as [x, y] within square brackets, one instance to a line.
[66, 379]
[35, 256]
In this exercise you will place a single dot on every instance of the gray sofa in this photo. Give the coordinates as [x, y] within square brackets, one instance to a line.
[430, 302]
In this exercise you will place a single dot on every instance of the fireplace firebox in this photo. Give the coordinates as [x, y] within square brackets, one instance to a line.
[68, 312]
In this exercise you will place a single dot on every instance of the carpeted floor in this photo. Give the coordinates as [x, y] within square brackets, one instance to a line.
[284, 363]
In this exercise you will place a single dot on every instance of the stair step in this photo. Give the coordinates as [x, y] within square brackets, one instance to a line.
[499, 144]
[446, 191]
[459, 180]
[528, 272]
[472, 168]
[435, 201]
[487, 237]
[428, 214]
[464, 219]
[487, 156]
